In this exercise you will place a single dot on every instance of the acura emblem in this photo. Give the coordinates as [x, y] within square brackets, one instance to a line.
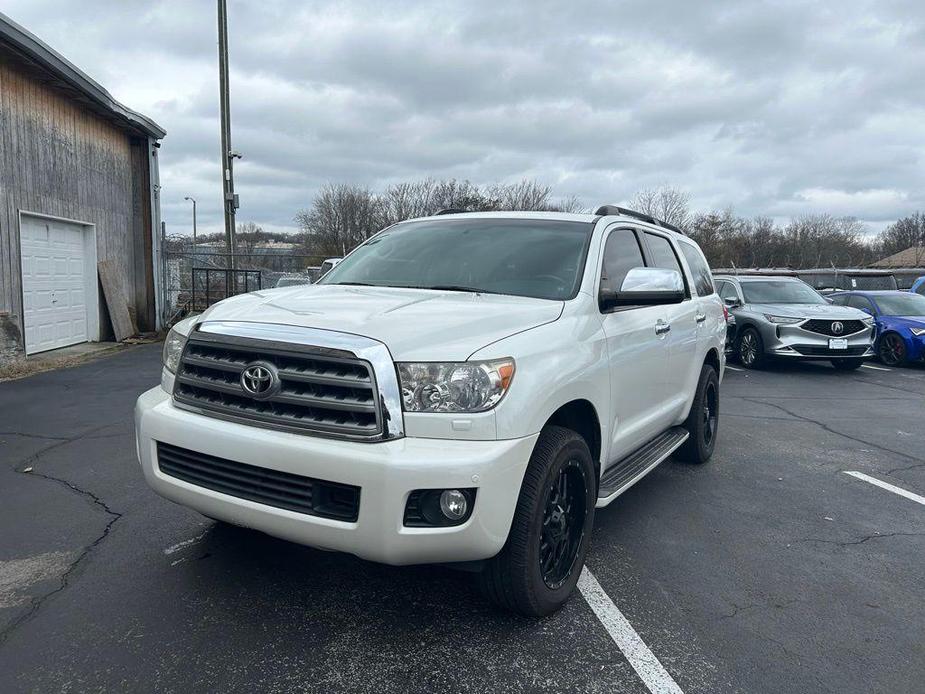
[838, 328]
[260, 380]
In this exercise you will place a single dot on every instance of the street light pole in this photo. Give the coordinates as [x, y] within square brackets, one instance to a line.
[193, 200]
[230, 200]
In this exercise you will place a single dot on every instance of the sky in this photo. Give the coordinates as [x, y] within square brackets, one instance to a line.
[776, 108]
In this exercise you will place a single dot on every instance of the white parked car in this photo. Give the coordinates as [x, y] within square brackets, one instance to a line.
[464, 389]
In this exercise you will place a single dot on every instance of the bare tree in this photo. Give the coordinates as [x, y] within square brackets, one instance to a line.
[667, 203]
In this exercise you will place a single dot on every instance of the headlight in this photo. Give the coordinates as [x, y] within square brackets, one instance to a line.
[782, 320]
[472, 386]
[869, 322]
[918, 332]
[173, 348]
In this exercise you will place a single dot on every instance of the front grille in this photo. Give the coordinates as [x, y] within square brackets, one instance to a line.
[318, 392]
[271, 487]
[822, 351]
[824, 327]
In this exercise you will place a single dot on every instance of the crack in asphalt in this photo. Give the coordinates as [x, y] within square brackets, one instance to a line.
[36, 602]
[826, 427]
[858, 542]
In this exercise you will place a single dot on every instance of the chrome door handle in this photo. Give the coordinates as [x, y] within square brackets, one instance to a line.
[701, 317]
[661, 328]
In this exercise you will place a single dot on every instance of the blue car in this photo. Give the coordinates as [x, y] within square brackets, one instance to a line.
[900, 323]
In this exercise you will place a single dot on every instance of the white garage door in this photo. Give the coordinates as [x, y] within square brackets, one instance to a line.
[55, 276]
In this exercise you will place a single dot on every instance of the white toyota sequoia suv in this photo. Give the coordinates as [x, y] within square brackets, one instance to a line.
[465, 389]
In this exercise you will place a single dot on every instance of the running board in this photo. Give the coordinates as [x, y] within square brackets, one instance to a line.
[624, 474]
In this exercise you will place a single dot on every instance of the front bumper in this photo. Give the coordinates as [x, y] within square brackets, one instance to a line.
[793, 342]
[386, 472]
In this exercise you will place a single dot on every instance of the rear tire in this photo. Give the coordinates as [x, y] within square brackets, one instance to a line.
[703, 421]
[750, 349]
[847, 364]
[538, 567]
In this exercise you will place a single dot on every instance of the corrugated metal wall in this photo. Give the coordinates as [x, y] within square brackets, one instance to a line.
[58, 158]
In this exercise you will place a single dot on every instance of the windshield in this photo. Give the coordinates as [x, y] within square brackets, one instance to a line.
[780, 292]
[525, 257]
[901, 304]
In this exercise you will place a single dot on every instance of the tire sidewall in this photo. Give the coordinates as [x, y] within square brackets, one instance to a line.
[902, 356]
[700, 451]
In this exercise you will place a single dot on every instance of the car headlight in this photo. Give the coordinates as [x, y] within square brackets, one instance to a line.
[869, 322]
[472, 386]
[918, 332]
[173, 348]
[782, 320]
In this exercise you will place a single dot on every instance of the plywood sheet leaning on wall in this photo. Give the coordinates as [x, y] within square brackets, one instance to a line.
[122, 324]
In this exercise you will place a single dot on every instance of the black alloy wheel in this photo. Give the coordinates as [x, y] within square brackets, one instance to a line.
[563, 524]
[892, 349]
[710, 413]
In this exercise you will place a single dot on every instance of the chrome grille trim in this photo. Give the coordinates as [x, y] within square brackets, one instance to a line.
[332, 384]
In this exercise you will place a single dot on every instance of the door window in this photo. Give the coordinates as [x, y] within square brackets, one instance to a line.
[663, 255]
[703, 279]
[855, 301]
[621, 254]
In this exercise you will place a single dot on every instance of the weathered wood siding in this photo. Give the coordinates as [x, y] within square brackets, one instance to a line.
[58, 158]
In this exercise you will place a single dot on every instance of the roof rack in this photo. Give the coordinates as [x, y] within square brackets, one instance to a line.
[605, 210]
[451, 210]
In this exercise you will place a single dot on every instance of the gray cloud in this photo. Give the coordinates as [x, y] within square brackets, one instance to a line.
[776, 108]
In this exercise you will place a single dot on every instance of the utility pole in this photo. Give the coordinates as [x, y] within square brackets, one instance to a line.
[193, 200]
[230, 200]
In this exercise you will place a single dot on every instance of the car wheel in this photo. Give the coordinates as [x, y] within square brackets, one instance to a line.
[703, 421]
[847, 364]
[892, 349]
[538, 567]
[751, 349]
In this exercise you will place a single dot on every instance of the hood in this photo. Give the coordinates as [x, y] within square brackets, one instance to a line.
[415, 324]
[825, 311]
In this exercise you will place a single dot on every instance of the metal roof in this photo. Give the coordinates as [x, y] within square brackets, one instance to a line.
[20, 41]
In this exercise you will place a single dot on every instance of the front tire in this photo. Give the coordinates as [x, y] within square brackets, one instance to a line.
[703, 421]
[538, 567]
[751, 349]
[892, 350]
[847, 364]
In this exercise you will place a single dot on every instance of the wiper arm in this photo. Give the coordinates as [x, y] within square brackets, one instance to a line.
[353, 284]
[457, 288]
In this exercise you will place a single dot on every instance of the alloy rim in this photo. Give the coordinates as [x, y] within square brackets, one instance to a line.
[710, 414]
[563, 524]
[891, 350]
[748, 349]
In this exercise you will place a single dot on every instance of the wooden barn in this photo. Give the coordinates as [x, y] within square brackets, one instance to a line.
[78, 187]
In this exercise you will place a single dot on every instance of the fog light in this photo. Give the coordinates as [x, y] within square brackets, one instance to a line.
[453, 504]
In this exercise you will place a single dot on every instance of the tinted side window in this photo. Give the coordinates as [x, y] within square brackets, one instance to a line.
[859, 302]
[703, 279]
[840, 300]
[662, 253]
[728, 291]
[621, 254]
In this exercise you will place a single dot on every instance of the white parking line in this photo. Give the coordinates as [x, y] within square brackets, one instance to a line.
[734, 368]
[887, 486]
[186, 543]
[644, 662]
[875, 368]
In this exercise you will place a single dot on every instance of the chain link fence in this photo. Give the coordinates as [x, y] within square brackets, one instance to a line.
[195, 277]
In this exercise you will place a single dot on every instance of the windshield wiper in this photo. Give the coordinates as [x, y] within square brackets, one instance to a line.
[457, 288]
[353, 284]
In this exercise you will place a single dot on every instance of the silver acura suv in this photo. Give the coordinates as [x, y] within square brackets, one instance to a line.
[785, 317]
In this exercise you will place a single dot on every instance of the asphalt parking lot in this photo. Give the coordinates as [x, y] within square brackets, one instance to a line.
[769, 570]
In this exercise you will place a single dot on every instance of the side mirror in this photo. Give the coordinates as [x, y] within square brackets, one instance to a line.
[732, 301]
[867, 311]
[645, 286]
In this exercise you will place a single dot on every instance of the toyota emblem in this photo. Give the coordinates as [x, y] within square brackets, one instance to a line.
[260, 380]
[838, 328]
